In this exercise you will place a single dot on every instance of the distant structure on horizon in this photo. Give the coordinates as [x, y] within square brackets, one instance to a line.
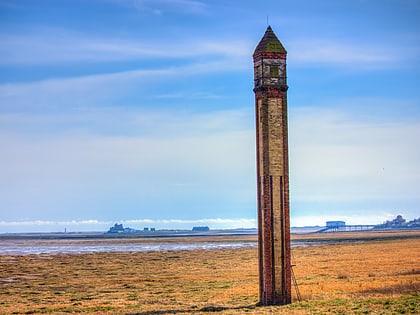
[335, 224]
[270, 88]
[120, 229]
[201, 229]
[399, 223]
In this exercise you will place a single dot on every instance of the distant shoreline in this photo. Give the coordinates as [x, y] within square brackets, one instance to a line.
[88, 243]
[232, 235]
[136, 235]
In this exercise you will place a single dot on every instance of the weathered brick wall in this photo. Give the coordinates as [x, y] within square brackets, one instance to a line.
[273, 182]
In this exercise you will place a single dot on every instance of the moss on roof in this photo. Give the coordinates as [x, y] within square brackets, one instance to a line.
[269, 43]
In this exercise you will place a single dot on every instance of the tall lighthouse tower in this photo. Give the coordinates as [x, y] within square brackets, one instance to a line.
[270, 89]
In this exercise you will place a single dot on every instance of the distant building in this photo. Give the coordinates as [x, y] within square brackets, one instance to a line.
[414, 223]
[398, 222]
[201, 228]
[117, 228]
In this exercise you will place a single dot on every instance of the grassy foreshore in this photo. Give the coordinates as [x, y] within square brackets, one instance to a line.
[377, 274]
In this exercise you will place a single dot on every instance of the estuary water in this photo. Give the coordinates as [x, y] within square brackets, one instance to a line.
[30, 247]
[20, 248]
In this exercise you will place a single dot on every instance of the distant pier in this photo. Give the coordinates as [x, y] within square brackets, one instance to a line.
[347, 228]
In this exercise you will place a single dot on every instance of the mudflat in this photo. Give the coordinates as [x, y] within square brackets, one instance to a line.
[353, 273]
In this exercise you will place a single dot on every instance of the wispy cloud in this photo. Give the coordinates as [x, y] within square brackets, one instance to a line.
[217, 221]
[73, 92]
[344, 54]
[159, 7]
[185, 95]
[92, 90]
[240, 222]
[62, 46]
[55, 46]
[52, 46]
[180, 153]
[339, 157]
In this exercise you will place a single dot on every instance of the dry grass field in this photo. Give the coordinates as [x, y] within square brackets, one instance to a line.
[379, 274]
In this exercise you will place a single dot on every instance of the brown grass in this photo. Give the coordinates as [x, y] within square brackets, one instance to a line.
[375, 277]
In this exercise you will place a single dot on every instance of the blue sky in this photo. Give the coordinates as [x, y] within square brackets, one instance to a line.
[142, 112]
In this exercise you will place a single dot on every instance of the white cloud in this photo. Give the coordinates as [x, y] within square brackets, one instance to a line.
[346, 54]
[339, 161]
[55, 46]
[157, 7]
[61, 93]
[326, 51]
[174, 152]
[52, 46]
[212, 222]
[65, 94]
[336, 157]
[104, 225]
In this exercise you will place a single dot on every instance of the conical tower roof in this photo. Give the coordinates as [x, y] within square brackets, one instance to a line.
[269, 44]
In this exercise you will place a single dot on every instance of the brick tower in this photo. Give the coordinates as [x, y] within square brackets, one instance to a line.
[270, 89]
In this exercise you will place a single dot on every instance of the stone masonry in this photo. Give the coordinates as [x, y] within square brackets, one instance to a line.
[270, 89]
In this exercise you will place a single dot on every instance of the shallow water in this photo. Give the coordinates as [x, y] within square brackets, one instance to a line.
[23, 248]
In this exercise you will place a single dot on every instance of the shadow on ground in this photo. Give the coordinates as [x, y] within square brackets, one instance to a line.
[206, 309]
